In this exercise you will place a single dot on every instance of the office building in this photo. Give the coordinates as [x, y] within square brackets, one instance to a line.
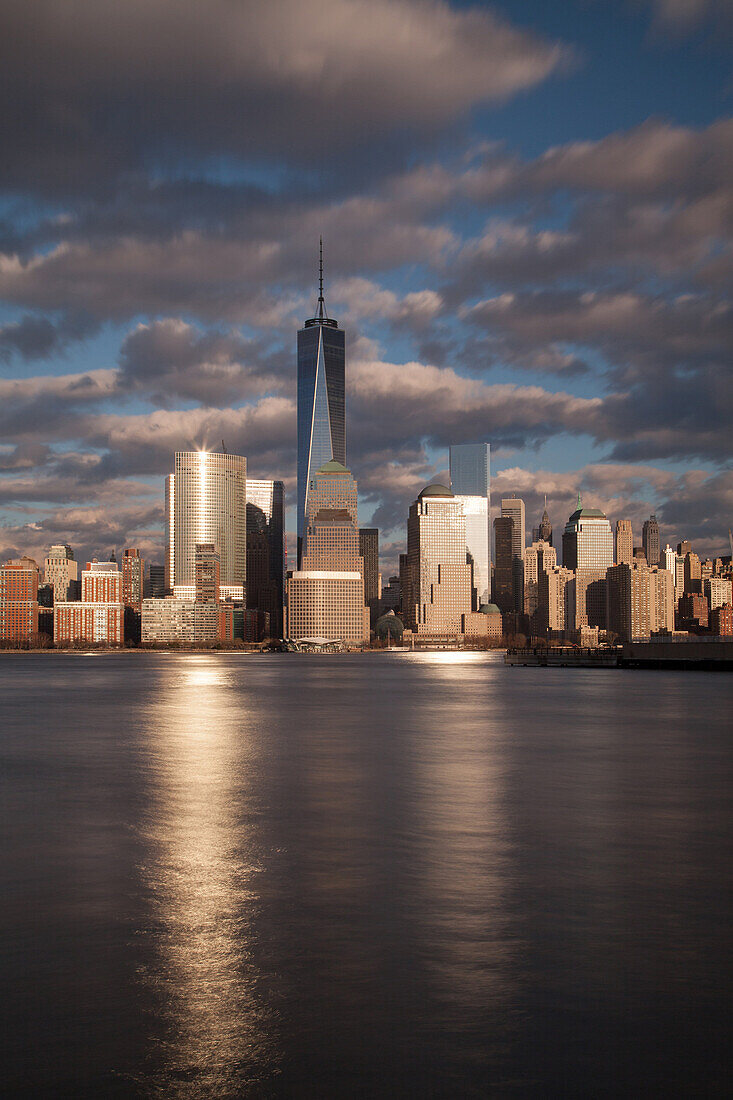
[99, 616]
[503, 585]
[189, 622]
[19, 600]
[325, 597]
[266, 550]
[544, 531]
[650, 540]
[624, 542]
[587, 541]
[207, 573]
[206, 502]
[321, 401]
[133, 572]
[369, 551]
[156, 581]
[693, 612]
[640, 601]
[440, 578]
[62, 572]
[470, 482]
[513, 508]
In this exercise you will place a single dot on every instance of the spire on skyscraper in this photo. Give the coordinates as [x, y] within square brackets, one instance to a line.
[321, 316]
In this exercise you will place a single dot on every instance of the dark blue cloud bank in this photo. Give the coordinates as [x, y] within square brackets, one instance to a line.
[527, 215]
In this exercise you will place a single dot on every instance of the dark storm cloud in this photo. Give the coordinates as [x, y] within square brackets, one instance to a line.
[94, 87]
[40, 338]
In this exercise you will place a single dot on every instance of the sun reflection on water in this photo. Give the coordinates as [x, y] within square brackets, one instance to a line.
[202, 884]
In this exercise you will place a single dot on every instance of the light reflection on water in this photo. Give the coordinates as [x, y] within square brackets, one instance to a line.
[384, 875]
[202, 881]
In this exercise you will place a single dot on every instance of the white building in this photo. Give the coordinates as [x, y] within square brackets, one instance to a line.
[173, 620]
[470, 480]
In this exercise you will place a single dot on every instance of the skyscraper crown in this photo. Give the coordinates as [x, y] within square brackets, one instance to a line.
[321, 317]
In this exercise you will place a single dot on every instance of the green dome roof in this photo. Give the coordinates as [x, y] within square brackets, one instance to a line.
[332, 467]
[436, 490]
[489, 609]
[389, 623]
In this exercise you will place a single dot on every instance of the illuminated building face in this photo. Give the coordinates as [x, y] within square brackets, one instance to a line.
[207, 503]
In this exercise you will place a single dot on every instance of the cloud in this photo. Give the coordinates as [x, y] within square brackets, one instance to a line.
[99, 89]
[171, 359]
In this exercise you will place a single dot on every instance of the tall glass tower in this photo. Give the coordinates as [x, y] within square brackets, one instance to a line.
[470, 480]
[321, 392]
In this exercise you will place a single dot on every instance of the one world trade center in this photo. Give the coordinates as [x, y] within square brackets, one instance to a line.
[321, 387]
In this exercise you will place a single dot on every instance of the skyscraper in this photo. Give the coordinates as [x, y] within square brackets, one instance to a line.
[439, 577]
[321, 400]
[503, 559]
[325, 597]
[587, 541]
[513, 508]
[650, 540]
[470, 477]
[60, 570]
[266, 549]
[369, 551]
[206, 502]
[544, 531]
[624, 542]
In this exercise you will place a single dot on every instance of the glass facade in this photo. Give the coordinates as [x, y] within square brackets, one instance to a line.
[470, 477]
[470, 469]
[321, 405]
[207, 503]
[266, 549]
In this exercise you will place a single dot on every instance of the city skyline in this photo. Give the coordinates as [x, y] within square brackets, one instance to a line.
[517, 253]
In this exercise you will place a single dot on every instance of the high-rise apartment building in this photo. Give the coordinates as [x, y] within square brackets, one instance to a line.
[266, 550]
[62, 571]
[99, 615]
[555, 609]
[470, 482]
[206, 502]
[718, 592]
[624, 542]
[693, 574]
[325, 597]
[133, 573]
[19, 599]
[650, 540]
[640, 600]
[440, 578]
[321, 401]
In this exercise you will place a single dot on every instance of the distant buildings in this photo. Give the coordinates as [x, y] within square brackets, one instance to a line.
[369, 551]
[470, 478]
[133, 574]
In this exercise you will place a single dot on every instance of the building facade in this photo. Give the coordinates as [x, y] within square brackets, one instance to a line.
[440, 578]
[624, 542]
[369, 552]
[470, 482]
[650, 540]
[640, 601]
[266, 550]
[587, 541]
[19, 600]
[62, 571]
[133, 577]
[99, 617]
[206, 502]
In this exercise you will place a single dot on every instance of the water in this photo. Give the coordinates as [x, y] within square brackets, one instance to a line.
[377, 875]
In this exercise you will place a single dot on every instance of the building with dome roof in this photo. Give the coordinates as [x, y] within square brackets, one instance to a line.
[389, 625]
[587, 550]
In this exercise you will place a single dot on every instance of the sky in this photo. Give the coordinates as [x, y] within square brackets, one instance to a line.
[527, 216]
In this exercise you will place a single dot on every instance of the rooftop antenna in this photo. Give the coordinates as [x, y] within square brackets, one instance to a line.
[224, 451]
[321, 303]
